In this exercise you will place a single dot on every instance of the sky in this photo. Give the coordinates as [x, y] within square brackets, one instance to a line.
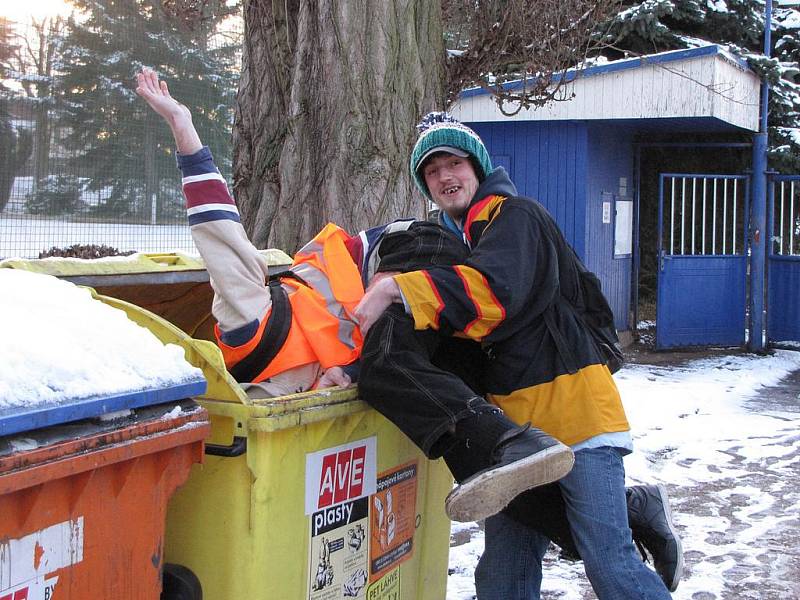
[22, 11]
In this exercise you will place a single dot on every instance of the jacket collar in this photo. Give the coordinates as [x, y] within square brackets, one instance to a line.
[498, 183]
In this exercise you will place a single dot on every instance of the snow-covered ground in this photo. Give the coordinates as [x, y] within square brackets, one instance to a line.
[730, 461]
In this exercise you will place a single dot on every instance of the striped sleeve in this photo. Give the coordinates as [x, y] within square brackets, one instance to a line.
[205, 190]
[510, 274]
[455, 298]
[237, 270]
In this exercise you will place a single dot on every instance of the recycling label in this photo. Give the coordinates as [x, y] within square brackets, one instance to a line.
[339, 554]
[393, 509]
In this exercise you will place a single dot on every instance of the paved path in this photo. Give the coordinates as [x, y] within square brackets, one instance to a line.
[758, 547]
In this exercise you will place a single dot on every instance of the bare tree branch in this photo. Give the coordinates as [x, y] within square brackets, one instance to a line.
[494, 42]
[39, 52]
[198, 14]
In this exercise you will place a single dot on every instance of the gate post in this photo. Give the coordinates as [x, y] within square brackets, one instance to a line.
[758, 223]
[758, 243]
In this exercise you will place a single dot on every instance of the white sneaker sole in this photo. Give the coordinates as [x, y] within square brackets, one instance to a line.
[662, 492]
[489, 492]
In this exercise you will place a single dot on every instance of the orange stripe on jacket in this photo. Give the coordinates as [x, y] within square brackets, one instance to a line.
[490, 313]
[485, 210]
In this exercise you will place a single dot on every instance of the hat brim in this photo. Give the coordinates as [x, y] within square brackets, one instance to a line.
[449, 149]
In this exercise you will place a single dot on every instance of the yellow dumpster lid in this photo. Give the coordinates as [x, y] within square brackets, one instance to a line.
[172, 267]
[224, 396]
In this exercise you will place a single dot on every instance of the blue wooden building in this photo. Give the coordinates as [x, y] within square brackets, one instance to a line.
[580, 158]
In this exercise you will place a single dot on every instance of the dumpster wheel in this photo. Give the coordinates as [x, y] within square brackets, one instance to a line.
[180, 583]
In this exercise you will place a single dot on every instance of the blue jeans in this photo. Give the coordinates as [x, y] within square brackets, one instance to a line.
[594, 494]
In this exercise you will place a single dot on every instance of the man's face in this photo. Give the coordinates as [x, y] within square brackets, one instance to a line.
[452, 182]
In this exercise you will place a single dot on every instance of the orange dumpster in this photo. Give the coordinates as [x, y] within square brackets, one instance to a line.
[83, 505]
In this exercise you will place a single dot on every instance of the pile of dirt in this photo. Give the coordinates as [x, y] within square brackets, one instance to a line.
[87, 251]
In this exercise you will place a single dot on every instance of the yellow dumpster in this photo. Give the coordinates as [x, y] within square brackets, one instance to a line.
[311, 496]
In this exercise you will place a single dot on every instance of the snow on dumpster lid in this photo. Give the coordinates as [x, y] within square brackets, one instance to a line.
[66, 356]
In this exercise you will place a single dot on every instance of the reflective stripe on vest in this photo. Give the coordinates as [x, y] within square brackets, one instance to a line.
[323, 329]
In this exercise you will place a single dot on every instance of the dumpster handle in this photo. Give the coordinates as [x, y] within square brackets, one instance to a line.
[237, 448]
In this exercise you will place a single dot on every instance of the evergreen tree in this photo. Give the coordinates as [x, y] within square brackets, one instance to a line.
[785, 98]
[659, 25]
[117, 143]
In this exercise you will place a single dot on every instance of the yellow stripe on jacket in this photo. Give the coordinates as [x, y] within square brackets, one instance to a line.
[571, 408]
[426, 303]
[423, 298]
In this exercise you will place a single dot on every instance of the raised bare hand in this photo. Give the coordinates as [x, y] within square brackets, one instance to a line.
[156, 94]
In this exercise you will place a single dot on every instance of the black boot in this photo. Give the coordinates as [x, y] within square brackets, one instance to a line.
[517, 459]
[650, 519]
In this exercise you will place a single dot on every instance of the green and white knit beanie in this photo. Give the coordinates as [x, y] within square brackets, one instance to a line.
[440, 132]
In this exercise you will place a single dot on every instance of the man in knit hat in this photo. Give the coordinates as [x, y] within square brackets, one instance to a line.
[492, 458]
[516, 295]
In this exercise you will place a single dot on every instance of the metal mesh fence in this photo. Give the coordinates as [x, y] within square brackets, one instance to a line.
[82, 159]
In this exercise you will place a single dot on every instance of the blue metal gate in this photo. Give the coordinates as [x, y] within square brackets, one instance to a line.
[702, 260]
[783, 261]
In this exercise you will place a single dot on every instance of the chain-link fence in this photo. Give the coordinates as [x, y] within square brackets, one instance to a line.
[82, 158]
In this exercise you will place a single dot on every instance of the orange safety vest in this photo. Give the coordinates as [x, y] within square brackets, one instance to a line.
[323, 328]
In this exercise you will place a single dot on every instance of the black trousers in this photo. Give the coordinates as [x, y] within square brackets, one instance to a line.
[422, 381]
[425, 382]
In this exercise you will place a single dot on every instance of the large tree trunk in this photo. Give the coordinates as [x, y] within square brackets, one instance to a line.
[329, 95]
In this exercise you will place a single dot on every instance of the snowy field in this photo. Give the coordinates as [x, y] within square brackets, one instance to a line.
[25, 238]
[730, 461]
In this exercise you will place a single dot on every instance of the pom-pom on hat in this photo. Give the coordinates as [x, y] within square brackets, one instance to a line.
[440, 132]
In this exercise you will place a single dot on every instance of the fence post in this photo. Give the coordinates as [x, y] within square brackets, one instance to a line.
[758, 243]
[758, 223]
